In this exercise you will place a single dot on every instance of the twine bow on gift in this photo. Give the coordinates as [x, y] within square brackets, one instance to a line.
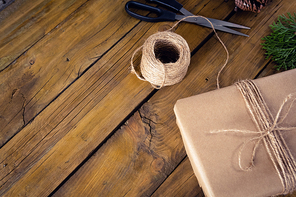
[269, 131]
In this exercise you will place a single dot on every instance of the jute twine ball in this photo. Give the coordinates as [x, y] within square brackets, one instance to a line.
[165, 59]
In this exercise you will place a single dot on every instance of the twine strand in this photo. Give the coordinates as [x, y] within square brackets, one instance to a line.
[132, 67]
[222, 43]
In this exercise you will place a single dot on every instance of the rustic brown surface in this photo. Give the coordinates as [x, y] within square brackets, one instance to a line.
[24, 23]
[57, 60]
[75, 122]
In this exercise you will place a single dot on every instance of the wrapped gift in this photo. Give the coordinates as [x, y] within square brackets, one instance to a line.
[230, 143]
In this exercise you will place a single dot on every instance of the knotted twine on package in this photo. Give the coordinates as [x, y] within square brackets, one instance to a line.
[234, 152]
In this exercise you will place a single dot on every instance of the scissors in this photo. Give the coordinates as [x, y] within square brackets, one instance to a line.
[165, 15]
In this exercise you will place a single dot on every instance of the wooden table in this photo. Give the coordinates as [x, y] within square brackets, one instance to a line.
[75, 122]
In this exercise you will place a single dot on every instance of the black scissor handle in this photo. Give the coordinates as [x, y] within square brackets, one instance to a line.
[162, 15]
[176, 6]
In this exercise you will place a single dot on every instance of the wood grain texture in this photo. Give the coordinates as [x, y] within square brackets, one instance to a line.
[63, 100]
[182, 182]
[130, 152]
[64, 133]
[157, 117]
[15, 161]
[56, 61]
[24, 23]
[81, 115]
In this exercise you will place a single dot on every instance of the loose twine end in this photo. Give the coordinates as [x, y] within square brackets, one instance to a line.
[166, 57]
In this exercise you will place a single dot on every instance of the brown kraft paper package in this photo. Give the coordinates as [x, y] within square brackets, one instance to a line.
[214, 156]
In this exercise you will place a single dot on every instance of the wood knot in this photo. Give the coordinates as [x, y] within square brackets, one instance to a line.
[32, 62]
[157, 164]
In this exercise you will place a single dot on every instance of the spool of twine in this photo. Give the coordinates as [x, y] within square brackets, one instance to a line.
[166, 57]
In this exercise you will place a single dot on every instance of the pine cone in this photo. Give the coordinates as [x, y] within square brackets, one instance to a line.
[251, 5]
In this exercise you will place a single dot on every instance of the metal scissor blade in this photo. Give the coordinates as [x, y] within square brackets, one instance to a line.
[226, 29]
[185, 12]
[227, 24]
[203, 22]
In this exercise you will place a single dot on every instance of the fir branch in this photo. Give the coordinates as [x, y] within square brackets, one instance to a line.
[280, 45]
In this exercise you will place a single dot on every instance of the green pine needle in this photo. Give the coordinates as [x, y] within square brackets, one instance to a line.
[281, 43]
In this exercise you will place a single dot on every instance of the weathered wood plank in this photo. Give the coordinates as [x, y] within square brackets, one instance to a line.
[84, 114]
[182, 182]
[269, 70]
[130, 145]
[23, 23]
[57, 60]
[160, 135]
[37, 138]
[130, 151]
